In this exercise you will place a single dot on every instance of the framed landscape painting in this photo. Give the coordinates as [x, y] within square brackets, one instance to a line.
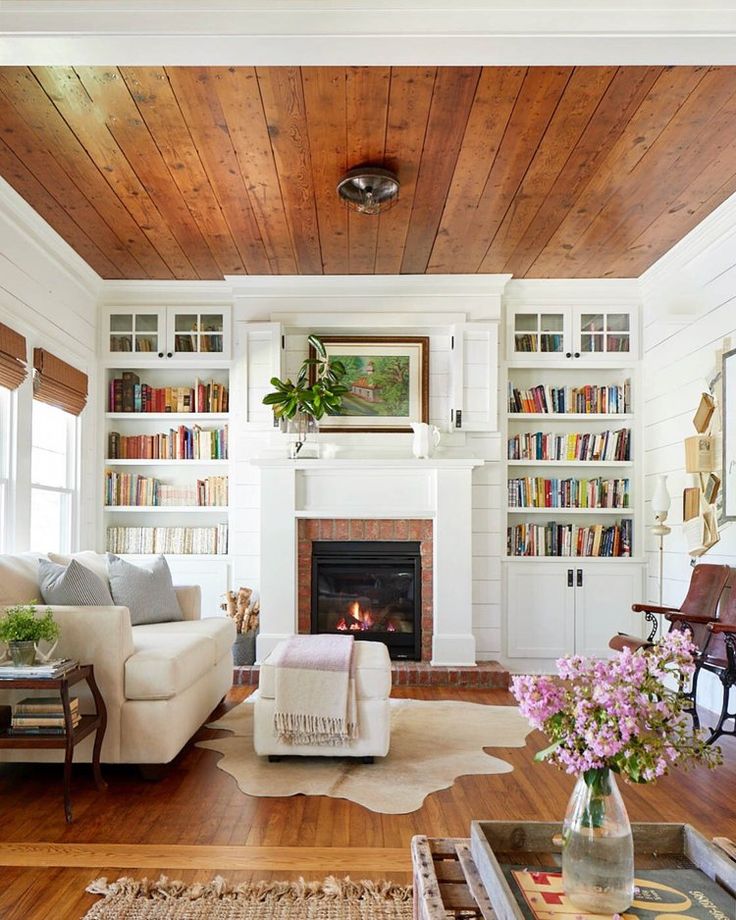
[388, 380]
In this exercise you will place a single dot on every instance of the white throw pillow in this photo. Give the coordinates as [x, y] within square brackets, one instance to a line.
[95, 562]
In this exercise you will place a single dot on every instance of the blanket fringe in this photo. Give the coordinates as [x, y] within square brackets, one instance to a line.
[345, 889]
[303, 728]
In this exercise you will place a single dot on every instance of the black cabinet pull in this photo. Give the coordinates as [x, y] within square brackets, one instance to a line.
[169, 354]
[568, 354]
[577, 354]
[569, 578]
[580, 578]
[160, 354]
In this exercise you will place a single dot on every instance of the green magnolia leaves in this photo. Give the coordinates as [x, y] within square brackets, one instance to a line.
[317, 391]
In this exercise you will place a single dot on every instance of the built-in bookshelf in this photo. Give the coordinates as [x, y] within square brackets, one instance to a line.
[166, 483]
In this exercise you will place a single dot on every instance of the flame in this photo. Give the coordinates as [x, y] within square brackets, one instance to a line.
[359, 620]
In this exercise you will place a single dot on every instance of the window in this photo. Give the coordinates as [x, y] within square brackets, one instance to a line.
[53, 478]
[5, 439]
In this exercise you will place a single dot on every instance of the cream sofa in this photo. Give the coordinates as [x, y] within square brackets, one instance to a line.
[160, 682]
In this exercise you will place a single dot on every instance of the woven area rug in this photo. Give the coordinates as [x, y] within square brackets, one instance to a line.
[432, 743]
[333, 899]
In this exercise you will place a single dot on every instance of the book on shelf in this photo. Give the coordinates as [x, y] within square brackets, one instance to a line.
[134, 490]
[33, 705]
[205, 541]
[538, 445]
[180, 443]
[570, 540]
[37, 722]
[540, 492]
[613, 399]
[51, 669]
[526, 342]
[127, 394]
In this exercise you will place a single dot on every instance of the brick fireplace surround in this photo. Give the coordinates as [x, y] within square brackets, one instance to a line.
[334, 529]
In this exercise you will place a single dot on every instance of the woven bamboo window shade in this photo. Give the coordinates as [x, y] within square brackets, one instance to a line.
[13, 366]
[57, 383]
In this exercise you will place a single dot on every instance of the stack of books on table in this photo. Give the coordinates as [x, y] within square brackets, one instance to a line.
[50, 669]
[43, 715]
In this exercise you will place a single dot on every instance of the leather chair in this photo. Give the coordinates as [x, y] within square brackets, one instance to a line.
[709, 585]
[719, 658]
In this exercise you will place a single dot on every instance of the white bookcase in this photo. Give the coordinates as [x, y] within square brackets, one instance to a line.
[564, 604]
[167, 361]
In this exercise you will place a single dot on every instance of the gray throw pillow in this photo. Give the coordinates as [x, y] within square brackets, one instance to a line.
[147, 591]
[71, 585]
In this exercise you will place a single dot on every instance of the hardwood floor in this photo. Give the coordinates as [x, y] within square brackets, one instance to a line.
[195, 823]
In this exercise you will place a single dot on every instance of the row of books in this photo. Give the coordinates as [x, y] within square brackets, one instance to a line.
[608, 400]
[180, 443]
[50, 669]
[206, 343]
[543, 341]
[537, 492]
[144, 342]
[538, 445]
[148, 491]
[43, 715]
[128, 394]
[553, 539]
[207, 541]
[612, 342]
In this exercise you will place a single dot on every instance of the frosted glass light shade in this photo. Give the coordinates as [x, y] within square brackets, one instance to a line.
[661, 499]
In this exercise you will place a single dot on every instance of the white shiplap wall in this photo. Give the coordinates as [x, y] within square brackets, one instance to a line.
[50, 295]
[689, 300]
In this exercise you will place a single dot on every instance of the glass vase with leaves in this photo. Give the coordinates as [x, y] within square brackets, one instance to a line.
[317, 391]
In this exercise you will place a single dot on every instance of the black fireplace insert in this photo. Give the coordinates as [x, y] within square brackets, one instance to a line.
[370, 590]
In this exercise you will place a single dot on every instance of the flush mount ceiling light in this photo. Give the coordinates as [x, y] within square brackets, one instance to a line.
[369, 189]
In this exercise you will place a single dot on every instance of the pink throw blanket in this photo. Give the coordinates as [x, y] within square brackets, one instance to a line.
[315, 690]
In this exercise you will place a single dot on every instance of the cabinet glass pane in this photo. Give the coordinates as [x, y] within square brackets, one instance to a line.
[186, 322]
[618, 342]
[146, 322]
[121, 322]
[617, 322]
[551, 322]
[525, 343]
[211, 322]
[146, 343]
[551, 342]
[590, 343]
[526, 322]
[185, 343]
[592, 322]
[210, 343]
[121, 343]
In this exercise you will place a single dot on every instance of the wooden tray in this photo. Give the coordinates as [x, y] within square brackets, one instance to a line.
[536, 843]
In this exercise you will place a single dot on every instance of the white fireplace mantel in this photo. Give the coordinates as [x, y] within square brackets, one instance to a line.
[371, 486]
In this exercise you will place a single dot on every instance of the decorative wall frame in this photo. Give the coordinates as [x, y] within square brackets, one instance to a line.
[388, 378]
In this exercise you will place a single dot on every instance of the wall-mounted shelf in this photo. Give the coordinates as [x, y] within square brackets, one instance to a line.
[621, 512]
[148, 462]
[576, 463]
[166, 509]
[170, 416]
[570, 416]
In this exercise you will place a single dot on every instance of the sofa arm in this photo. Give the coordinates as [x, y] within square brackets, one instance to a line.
[190, 601]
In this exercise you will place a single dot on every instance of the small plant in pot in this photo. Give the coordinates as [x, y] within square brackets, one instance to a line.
[316, 392]
[21, 630]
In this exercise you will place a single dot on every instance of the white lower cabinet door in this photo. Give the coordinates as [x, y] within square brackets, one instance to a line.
[603, 598]
[540, 610]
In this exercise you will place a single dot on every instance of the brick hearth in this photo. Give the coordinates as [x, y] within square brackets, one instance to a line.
[333, 529]
[486, 675]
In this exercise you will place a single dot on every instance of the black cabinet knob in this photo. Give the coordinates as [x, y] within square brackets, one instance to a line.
[169, 354]
[577, 354]
[568, 354]
[160, 354]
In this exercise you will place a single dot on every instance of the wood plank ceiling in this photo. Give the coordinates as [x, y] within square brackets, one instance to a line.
[545, 172]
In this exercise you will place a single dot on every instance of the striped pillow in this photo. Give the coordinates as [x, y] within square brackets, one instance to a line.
[72, 585]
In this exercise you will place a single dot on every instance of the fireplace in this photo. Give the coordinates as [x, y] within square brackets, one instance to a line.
[370, 590]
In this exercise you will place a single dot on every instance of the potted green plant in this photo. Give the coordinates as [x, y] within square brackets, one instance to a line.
[316, 392]
[21, 629]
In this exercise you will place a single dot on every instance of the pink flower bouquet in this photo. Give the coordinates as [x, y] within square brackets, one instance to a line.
[618, 714]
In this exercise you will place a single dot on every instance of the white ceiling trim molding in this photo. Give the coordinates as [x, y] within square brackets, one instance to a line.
[572, 291]
[29, 223]
[358, 32]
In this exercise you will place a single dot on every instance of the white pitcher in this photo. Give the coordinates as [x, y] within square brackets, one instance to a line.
[426, 439]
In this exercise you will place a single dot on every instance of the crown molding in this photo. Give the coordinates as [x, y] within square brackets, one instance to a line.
[359, 32]
[428, 286]
[29, 223]
[561, 291]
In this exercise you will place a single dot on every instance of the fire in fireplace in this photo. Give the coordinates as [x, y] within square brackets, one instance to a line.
[371, 590]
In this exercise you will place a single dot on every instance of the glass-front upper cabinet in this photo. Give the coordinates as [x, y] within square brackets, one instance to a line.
[142, 330]
[556, 335]
[157, 334]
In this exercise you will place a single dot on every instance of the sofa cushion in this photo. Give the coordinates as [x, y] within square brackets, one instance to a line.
[72, 585]
[19, 579]
[372, 676]
[95, 562]
[146, 590]
[217, 633]
[160, 668]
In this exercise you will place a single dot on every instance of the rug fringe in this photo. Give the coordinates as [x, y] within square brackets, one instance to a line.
[344, 889]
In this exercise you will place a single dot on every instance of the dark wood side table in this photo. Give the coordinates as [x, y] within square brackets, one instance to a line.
[88, 724]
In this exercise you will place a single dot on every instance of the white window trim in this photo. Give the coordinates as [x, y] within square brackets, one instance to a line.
[72, 488]
[8, 453]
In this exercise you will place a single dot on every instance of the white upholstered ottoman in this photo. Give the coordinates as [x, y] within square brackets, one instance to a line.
[372, 690]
